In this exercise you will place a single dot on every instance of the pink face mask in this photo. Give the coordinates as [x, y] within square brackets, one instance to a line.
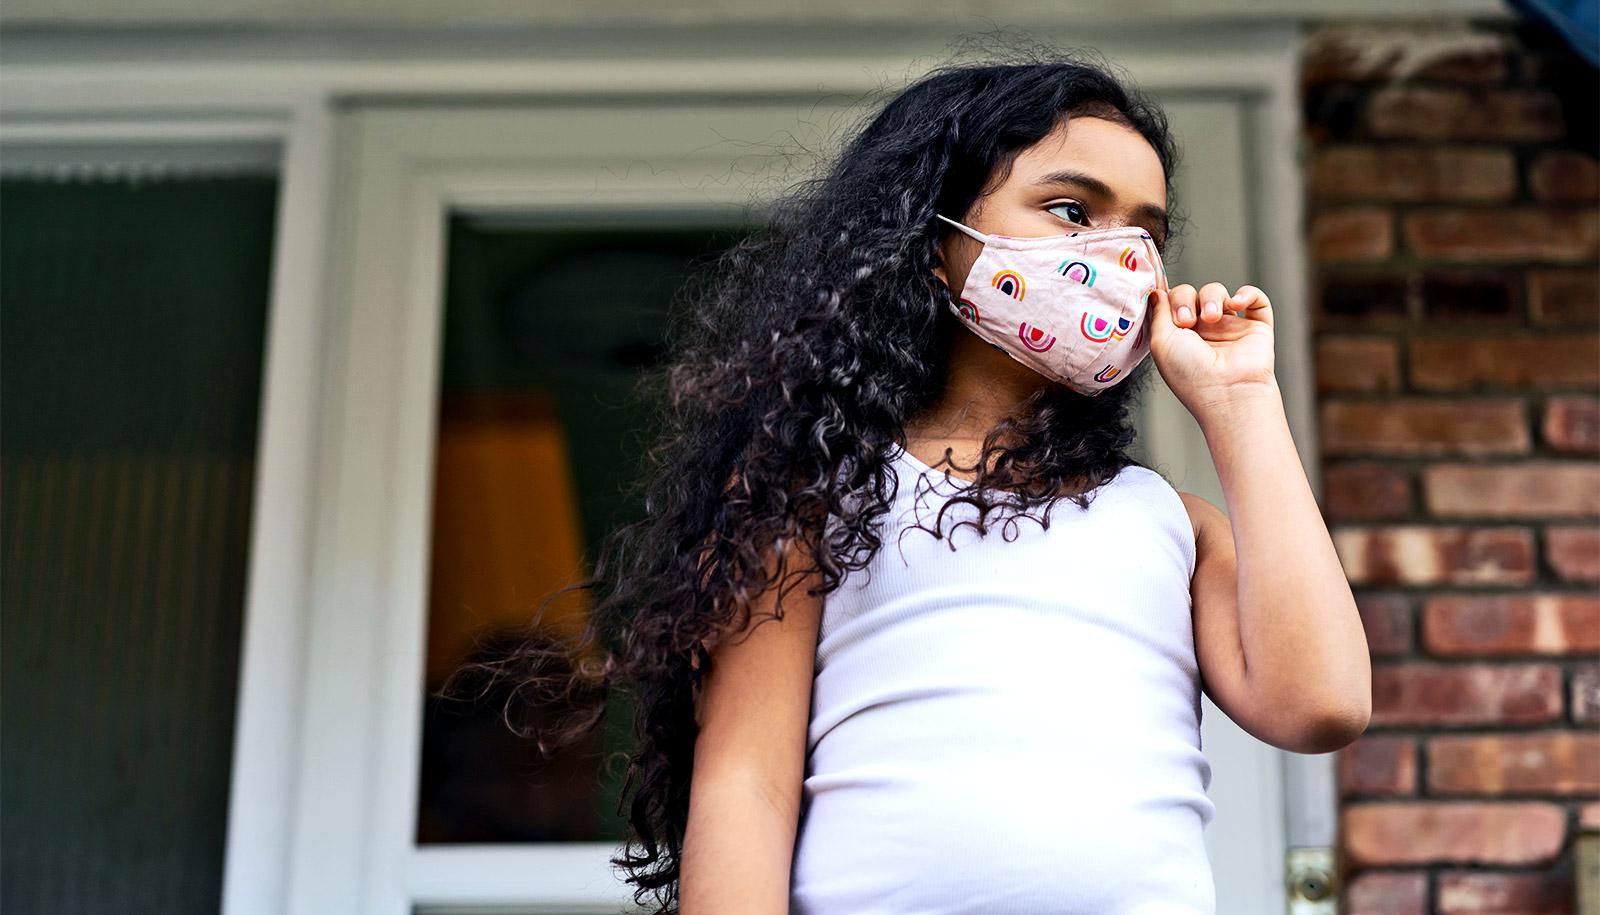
[1072, 307]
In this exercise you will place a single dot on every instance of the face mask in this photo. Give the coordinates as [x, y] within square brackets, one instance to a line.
[1072, 307]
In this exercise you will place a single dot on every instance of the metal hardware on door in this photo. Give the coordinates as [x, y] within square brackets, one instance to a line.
[1313, 887]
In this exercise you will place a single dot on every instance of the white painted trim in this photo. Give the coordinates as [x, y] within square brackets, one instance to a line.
[267, 726]
[507, 14]
[1311, 801]
[579, 874]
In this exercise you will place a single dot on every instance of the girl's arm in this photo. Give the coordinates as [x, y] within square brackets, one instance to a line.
[749, 761]
[1278, 637]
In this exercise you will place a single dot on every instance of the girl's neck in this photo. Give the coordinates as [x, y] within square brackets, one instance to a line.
[983, 387]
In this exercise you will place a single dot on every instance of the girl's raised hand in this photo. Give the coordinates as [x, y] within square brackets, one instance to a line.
[1211, 347]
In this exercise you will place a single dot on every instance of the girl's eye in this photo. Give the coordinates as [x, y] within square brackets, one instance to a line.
[1080, 218]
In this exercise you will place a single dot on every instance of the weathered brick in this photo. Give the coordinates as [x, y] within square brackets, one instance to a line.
[1572, 425]
[1585, 694]
[1413, 174]
[1564, 297]
[1456, 114]
[1357, 364]
[1564, 176]
[1426, 694]
[1366, 491]
[1333, 112]
[1490, 624]
[1391, 53]
[1401, 833]
[1452, 297]
[1548, 762]
[1366, 300]
[1417, 426]
[1521, 234]
[1471, 363]
[1574, 551]
[1433, 554]
[1386, 617]
[1387, 893]
[1531, 489]
[1589, 816]
[1378, 764]
[1487, 893]
[1354, 234]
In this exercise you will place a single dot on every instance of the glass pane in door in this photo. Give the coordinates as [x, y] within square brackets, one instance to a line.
[546, 331]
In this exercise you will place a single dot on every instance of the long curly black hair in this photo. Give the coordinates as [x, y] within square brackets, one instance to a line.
[793, 368]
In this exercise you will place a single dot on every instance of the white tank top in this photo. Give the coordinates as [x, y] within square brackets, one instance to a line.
[1012, 726]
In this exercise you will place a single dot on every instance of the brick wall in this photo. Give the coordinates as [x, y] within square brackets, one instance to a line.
[1455, 233]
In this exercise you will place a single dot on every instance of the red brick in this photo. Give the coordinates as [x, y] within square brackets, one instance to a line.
[1434, 695]
[1364, 299]
[1559, 297]
[1572, 424]
[1574, 552]
[1531, 489]
[1480, 58]
[1386, 617]
[1487, 893]
[1490, 624]
[1420, 173]
[1451, 297]
[1358, 364]
[1564, 176]
[1387, 893]
[1392, 832]
[1471, 363]
[1418, 426]
[1435, 554]
[1356, 53]
[1452, 114]
[1366, 491]
[1552, 762]
[1585, 694]
[1523, 234]
[1589, 816]
[1378, 764]
[1364, 233]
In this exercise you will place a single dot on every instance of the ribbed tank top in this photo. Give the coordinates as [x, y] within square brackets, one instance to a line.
[1012, 726]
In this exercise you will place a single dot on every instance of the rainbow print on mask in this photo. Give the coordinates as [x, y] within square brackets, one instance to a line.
[1141, 302]
[1107, 373]
[1123, 326]
[1077, 271]
[1034, 338]
[968, 310]
[1128, 259]
[1010, 282]
[1097, 329]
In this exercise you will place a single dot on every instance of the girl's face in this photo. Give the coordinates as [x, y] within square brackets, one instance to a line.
[1093, 175]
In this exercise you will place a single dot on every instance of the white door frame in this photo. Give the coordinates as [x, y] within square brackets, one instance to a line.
[331, 668]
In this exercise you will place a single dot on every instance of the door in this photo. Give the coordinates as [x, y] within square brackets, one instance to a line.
[448, 214]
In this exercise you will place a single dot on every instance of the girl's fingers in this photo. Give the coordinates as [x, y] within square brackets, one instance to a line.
[1248, 297]
[1181, 299]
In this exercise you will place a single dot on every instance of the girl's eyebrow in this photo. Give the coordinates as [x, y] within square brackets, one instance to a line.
[1079, 179]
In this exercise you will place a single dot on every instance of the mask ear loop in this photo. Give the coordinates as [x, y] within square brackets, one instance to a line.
[972, 232]
[1155, 261]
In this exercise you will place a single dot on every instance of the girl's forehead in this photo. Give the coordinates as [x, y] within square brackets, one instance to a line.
[1111, 155]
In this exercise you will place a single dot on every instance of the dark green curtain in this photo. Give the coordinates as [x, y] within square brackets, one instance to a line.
[132, 321]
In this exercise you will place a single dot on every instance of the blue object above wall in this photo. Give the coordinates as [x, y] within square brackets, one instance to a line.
[1577, 21]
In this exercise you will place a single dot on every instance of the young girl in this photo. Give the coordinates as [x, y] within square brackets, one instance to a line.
[879, 666]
